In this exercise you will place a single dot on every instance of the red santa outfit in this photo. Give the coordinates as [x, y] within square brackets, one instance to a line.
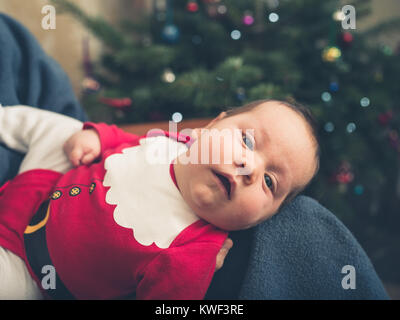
[115, 228]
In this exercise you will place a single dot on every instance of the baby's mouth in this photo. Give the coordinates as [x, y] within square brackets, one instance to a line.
[225, 183]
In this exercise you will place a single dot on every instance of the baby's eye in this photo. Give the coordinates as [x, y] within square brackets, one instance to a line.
[248, 141]
[268, 181]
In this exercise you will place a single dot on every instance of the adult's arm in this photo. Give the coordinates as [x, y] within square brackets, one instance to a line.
[28, 76]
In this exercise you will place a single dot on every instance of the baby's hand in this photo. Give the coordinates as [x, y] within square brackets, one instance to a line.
[83, 147]
[222, 253]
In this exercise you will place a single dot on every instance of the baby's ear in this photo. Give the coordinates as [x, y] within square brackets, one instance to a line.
[218, 118]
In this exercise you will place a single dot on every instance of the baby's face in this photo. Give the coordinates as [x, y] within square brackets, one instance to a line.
[264, 154]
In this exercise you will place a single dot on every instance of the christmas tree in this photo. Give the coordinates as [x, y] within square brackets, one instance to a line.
[196, 58]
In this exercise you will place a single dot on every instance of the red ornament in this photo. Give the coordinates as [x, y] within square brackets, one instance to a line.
[192, 6]
[344, 178]
[347, 37]
[345, 40]
[344, 174]
[117, 103]
[385, 118]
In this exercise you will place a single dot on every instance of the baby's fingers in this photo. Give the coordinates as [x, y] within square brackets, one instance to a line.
[88, 158]
[228, 244]
[75, 156]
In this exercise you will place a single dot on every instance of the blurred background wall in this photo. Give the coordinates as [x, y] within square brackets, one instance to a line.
[65, 43]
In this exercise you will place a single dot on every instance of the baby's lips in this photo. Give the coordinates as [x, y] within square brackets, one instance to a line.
[232, 182]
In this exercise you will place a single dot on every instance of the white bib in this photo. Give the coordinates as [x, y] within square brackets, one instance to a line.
[147, 200]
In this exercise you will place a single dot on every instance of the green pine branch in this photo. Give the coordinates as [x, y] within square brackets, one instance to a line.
[97, 25]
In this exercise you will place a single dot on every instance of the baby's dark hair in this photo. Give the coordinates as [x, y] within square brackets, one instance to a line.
[307, 115]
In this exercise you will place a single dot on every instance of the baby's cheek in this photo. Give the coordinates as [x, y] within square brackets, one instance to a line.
[202, 195]
[254, 208]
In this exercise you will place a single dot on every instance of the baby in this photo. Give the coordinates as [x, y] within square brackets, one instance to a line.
[124, 223]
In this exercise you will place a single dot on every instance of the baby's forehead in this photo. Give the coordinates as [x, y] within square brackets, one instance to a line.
[278, 117]
[270, 107]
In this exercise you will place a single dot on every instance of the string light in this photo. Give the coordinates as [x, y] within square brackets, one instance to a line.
[329, 127]
[177, 117]
[170, 33]
[338, 15]
[273, 17]
[364, 102]
[351, 127]
[334, 86]
[236, 34]
[331, 54]
[221, 9]
[248, 19]
[326, 97]
[168, 76]
[359, 189]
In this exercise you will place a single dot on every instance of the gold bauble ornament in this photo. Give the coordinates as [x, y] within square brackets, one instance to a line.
[331, 54]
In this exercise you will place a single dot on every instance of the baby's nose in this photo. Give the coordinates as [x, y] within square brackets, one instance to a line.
[244, 166]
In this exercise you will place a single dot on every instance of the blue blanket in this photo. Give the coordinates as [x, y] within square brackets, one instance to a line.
[298, 254]
[28, 76]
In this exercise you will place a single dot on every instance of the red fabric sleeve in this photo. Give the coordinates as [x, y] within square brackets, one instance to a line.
[111, 136]
[179, 273]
